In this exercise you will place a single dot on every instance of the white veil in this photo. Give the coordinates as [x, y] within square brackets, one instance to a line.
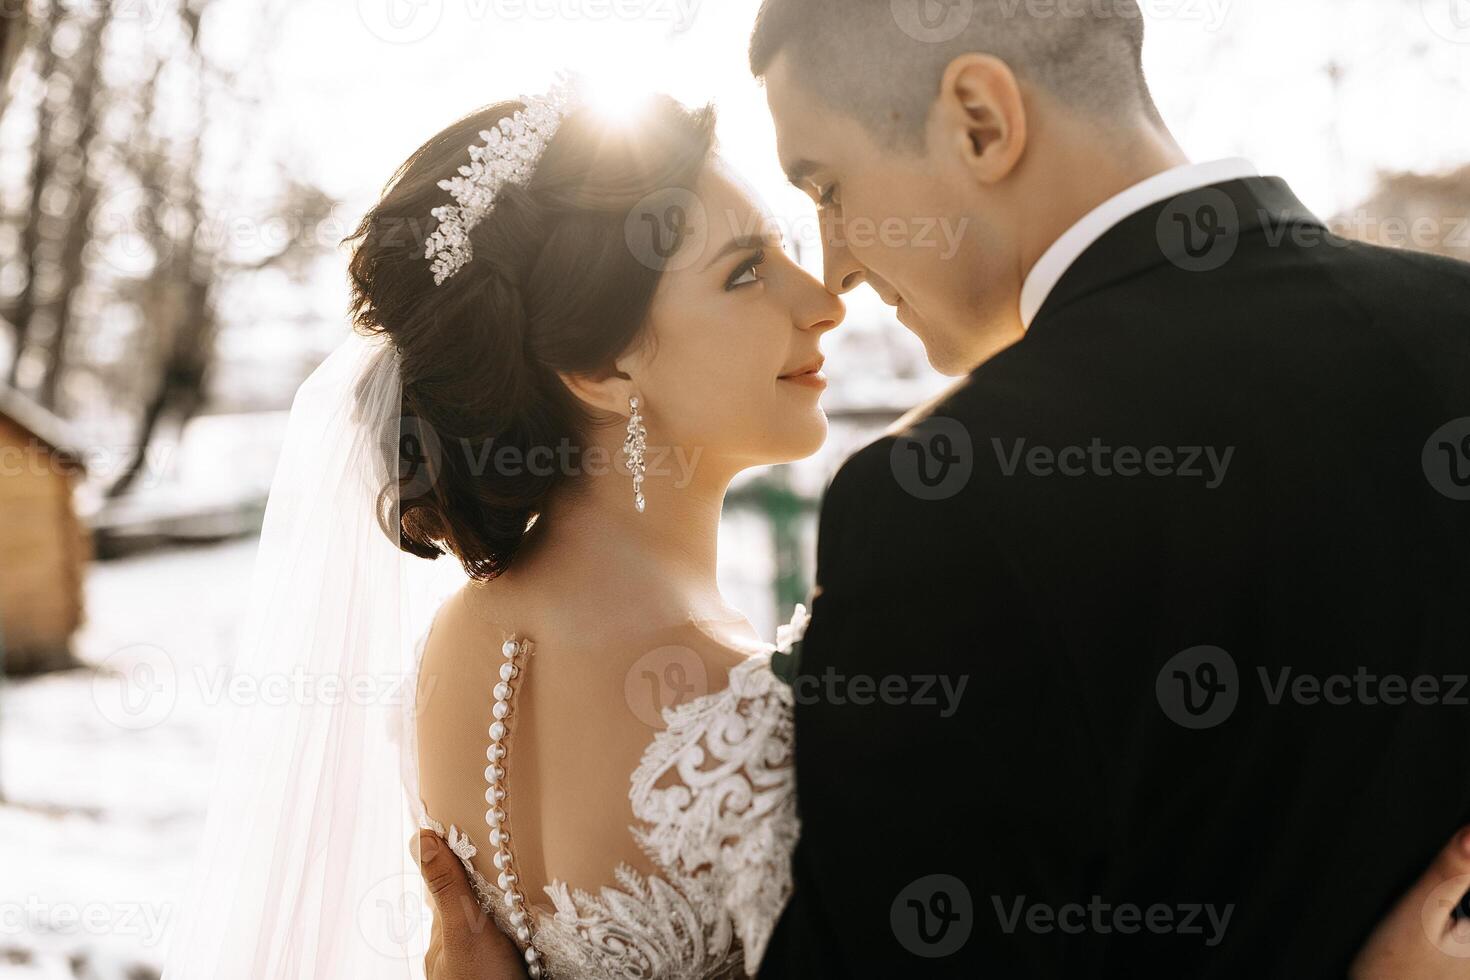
[304, 871]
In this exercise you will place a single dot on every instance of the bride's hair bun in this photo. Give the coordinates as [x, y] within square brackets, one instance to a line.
[553, 287]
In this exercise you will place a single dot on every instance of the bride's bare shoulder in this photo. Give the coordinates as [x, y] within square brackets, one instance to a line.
[598, 631]
[607, 665]
[588, 702]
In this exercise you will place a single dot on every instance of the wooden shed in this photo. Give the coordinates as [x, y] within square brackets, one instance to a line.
[44, 546]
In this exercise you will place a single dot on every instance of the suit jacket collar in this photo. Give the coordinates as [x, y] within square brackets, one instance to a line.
[1198, 231]
[1162, 186]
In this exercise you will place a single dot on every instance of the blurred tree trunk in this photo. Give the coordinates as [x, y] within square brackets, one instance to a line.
[185, 284]
[87, 98]
[22, 312]
[12, 39]
[122, 168]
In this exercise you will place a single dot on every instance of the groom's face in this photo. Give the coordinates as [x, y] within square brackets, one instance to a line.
[900, 220]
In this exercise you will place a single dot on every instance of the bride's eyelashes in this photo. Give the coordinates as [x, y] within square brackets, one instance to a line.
[828, 198]
[745, 273]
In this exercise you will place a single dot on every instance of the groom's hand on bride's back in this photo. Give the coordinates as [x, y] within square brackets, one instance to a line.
[464, 943]
[1422, 938]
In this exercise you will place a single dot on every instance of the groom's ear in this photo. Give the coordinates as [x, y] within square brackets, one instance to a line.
[981, 116]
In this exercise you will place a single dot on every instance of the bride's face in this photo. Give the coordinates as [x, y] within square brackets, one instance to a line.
[734, 332]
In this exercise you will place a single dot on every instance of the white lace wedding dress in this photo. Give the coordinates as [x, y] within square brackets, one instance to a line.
[714, 800]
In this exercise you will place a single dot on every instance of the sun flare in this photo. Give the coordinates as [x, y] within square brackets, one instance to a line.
[617, 100]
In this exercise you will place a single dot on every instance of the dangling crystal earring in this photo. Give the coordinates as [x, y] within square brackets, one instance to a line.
[635, 446]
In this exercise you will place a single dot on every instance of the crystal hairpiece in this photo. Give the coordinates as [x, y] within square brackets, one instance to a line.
[509, 156]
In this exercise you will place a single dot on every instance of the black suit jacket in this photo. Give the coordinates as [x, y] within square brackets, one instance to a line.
[1137, 779]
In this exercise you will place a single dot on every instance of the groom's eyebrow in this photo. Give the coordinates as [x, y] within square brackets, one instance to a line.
[801, 171]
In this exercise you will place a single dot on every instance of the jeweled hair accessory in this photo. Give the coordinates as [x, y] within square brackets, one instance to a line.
[509, 156]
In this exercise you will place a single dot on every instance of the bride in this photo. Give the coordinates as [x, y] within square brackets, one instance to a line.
[578, 333]
[608, 840]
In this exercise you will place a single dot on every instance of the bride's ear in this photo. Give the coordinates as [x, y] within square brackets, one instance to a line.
[982, 116]
[606, 391]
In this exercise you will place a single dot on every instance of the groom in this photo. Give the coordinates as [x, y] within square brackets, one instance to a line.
[1192, 535]
[1188, 541]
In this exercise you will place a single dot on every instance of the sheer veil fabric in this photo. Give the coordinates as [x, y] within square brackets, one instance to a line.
[304, 871]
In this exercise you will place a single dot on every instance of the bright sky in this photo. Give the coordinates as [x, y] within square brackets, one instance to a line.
[362, 82]
[351, 87]
[367, 80]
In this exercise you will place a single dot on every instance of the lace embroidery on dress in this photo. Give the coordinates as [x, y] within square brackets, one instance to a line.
[464, 849]
[714, 797]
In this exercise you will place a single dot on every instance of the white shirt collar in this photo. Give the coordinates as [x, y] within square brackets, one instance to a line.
[1055, 261]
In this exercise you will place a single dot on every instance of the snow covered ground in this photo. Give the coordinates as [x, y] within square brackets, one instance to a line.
[105, 773]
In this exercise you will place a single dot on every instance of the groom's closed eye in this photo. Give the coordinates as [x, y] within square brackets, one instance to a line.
[800, 173]
[803, 176]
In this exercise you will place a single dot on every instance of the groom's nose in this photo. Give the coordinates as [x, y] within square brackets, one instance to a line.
[841, 271]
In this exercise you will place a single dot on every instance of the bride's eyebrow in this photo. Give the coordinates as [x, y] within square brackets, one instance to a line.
[742, 242]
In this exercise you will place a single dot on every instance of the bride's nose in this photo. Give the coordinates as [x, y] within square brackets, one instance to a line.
[818, 309]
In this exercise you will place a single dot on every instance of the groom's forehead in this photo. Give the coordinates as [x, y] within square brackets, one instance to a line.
[804, 127]
[792, 105]
[794, 152]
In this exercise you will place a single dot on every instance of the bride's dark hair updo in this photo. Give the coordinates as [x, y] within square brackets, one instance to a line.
[553, 286]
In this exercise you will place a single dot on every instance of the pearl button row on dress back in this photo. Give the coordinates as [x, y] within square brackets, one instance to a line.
[507, 880]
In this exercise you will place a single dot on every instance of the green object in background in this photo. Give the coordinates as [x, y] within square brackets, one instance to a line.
[783, 508]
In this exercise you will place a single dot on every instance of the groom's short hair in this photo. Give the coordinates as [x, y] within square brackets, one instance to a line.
[879, 62]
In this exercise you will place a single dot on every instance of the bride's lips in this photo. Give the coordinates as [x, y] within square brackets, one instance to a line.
[811, 375]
